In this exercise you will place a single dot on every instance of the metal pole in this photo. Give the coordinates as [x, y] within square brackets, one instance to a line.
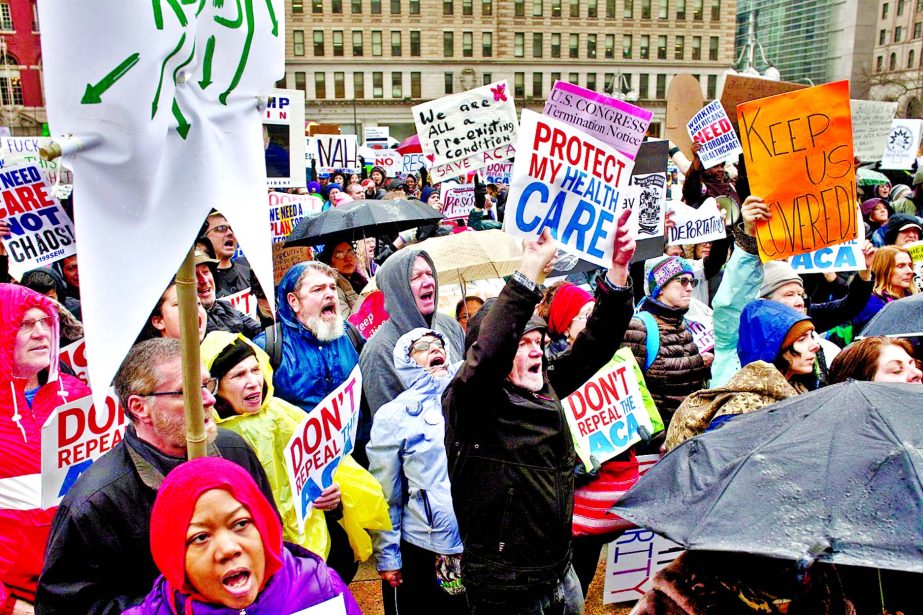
[196, 445]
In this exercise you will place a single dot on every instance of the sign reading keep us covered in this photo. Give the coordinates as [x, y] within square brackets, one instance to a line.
[569, 182]
[799, 156]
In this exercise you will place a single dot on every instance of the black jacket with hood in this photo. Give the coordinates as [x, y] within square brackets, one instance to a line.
[511, 457]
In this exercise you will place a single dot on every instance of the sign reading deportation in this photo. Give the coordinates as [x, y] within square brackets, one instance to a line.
[40, 231]
[712, 128]
[696, 225]
[320, 441]
[464, 132]
[610, 120]
[567, 181]
[798, 151]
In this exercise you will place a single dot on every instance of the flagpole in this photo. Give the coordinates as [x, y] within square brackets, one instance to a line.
[196, 445]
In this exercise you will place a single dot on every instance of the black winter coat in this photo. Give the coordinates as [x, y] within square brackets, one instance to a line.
[98, 559]
[222, 316]
[510, 453]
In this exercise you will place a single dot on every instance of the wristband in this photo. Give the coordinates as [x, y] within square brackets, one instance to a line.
[744, 241]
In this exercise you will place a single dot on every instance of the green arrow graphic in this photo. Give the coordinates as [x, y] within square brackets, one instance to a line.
[244, 55]
[231, 23]
[93, 93]
[207, 63]
[272, 17]
[163, 67]
[183, 128]
[158, 14]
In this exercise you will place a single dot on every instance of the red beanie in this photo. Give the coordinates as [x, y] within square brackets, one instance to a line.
[176, 502]
[567, 303]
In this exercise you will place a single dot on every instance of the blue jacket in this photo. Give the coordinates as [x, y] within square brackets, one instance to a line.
[407, 456]
[742, 279]
[310, 369]
[763, 326]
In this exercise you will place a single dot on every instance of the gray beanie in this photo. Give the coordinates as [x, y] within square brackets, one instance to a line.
[776, 274]
[898, 191]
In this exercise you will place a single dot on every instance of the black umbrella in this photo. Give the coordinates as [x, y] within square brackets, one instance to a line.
[360, 219]
[901, 318]
[833, 475]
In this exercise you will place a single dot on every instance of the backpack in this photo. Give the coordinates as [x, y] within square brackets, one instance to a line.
[274, 341]
[651, 340]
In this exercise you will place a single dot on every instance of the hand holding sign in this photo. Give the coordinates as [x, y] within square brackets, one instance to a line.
[537, 255]
[753, 211]
[623, 249]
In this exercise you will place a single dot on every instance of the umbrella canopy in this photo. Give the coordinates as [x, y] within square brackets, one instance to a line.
[833, 473]
[410, 145]
[868, 177]
[360, 219]
[474, 255]
[901, 318]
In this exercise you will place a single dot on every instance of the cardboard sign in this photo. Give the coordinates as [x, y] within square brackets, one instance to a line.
[739, 89]
[390, 160]
[40, 231]
[287, 210]
[565, 180]
[684, 99]
[371, 314]
[284, 259]
[712, 128]
[283, 139]
[871, 120]
[243, 301]
[916, 253]
[618, 123]
[605, 413]
[327, 433]
[901, 147]
[466, 131]
[74, 356]
[696, 225]
[498, 173]
[798, 151]
[457, 201]
[411, 163]
[336, 153]
[74, 436]
[19, 150]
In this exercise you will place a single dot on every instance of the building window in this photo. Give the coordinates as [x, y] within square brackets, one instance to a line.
[712, 86]
[396, 83]
[297, 6]
[716, 10]
[917, 29]
[892, 62]
[318, 43]
[882, 34]
[573, 78]
[538, 8]
[414, 43]
[416, 90]
[696, 47]
[298, 42]
[357, 43]
[664, 9]
[884, 10]
[878, 64]
[629, 10]
[555, 77]
[644, 86]
[467, 8]
[645, 9]
[338, 43]
[320, 85]
[591, 81]
[414, 7]
[356, 7]
[358, 85]
[536, 85]
[610, 46]
[519, 44]
[680, 49]
[376, 7]
[697, 6]
[898, 34]
[574, 8]
[448, 44]
[591, 46]
[713, 48]
[519, 8]
[448, 82]
[448, 7]
[317, 6]
[339, 85]
[626, 46]
[662, 47]
[300, 81]
[592, 9]
[910, 58]
[395, 7]
[336, 6]
[378, 85]
[395, 43]
[610, 9]
[900, 7]
[574, 45]
[681, 9]
[519, 85]
[645, 47]
[487, 79]
[487, 8]
[555, 45]
[467, 44]
[376, 43]
[537, 43]
[487, 44]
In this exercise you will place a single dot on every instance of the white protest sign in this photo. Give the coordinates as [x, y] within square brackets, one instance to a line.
[901, 148]
[336, 153]
[19, 150]
[498, 173]
[388, 159]
[701, 325]
[649, 209]
[287, 210]
[696, 225]
[567, 181]
[243, 301]
[283, 138]
[712, 128]
[605, 414]
[376, 133]
[334, 606]
[74, 355]
[40, 231]
[411, 163]
[457, 200]
[74, 436]
[871, 121]
[320, 441]
[846, 256]
[464, 132]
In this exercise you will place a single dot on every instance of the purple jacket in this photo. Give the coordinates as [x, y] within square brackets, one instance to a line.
[303, 581]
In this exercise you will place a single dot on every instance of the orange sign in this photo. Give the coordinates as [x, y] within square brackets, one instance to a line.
[798, 151]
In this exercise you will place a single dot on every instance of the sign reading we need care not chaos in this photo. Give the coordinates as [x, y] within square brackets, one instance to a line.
[467, 131]
[565, 180]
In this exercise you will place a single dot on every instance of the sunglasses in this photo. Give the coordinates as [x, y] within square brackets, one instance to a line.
[684, 282]
[221, 228]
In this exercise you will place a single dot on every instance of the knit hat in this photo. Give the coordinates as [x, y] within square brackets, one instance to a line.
[334, 186]
[567, 303]
[175, 505]
[230, 357]
[384, 174]
[428, 192]
[798, 329]
[535, 323]
[659, 271]
[898, 192]
[870, 204]
[314, 188]
[775, 275]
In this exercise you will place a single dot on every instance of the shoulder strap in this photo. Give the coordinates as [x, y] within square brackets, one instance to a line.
[274, 344]
[354, 336]
[652, 339]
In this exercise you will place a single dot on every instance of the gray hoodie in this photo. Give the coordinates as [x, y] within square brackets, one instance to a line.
[381, 381]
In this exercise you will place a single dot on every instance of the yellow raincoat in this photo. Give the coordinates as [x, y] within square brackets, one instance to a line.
[268, 432]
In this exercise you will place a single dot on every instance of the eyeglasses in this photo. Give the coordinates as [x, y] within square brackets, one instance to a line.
[221, 228]
[28, 326]
[684, 282]
[342, 254]
[210, 385]
[424, 345]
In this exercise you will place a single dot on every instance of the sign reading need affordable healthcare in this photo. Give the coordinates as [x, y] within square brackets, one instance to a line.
[320, 441]
[712, 128]
[565, 180]
[41, 232]
[466, 131]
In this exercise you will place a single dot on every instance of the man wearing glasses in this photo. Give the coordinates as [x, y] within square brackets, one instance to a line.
[98, 558]
[231, 277]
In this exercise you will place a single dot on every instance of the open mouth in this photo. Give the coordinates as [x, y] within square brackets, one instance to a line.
[254, 399]
[437, 361]
[535, 369]
[427, 296]
[328, 311]
[237, 581]
[229, 243]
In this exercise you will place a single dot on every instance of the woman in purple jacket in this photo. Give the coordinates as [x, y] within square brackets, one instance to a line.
[218, 543]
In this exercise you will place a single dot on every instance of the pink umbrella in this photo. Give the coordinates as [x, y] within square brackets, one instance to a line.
[410, 145]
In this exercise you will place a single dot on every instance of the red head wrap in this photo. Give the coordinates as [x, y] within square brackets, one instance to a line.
[567, 303]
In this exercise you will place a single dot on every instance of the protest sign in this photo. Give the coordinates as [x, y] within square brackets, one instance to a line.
[40, 231]
[649, 177]
[696, 225]
[371, 314]
[284, 259]
[712, 128]
[334, 606]
[739, 89]
[411, 163]
[498, 173]
[871, 120]
[287, 210]
[19, 150]
[606, 413]
[846, 256]
[457, 201]
[74, 356]
[320, 441]
[73, 437]
[901, 148]
[376, 136]
[701, 324]
[390, 160]
[613, 121]
[798, 151]
[565, 180]
[335, 153]
[243, 301]
[283, 139]
[916, 254]
[463, 132]
[684, 99]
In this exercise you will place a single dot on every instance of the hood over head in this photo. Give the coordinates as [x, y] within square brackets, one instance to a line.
[414, 376]
[393, 279]
[535, 322]
[897, 223]
[764, 324]
[216, 345]
[15, 301]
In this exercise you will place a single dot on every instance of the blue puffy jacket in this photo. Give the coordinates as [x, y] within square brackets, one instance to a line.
[407, 456]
